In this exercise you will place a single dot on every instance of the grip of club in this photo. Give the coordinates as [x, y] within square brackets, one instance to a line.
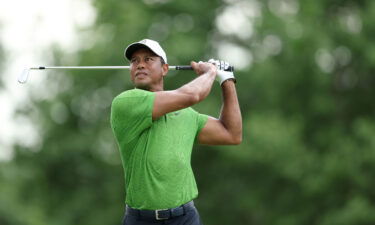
[184, 68]
[229, 69]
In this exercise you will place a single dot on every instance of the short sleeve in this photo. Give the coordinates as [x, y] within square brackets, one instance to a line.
[131, 113]
[200, 120]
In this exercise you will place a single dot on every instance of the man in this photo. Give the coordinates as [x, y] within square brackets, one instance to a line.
[156, 129]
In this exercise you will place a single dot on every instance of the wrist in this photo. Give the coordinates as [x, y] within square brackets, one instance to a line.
[211, 74]
[229, 81]
[224, 76]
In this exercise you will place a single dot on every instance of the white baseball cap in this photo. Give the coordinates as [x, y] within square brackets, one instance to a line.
[154, 46]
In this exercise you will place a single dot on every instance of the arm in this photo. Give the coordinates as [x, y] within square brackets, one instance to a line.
[187, 95]
[227, 130]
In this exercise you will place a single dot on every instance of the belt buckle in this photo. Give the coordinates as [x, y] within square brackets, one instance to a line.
[157, 214]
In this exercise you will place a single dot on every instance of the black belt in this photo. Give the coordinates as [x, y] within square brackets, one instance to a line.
[161, 214]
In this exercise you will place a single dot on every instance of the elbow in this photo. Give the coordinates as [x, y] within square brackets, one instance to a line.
[195, 98]
[192, 99]
[234, 137]
[237, 136]
[189, 97]
[237, 140]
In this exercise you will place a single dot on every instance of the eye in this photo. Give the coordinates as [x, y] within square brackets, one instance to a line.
[133, 60]
[149, 59]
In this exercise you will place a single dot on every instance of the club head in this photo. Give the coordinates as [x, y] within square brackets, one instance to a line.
[22, 78]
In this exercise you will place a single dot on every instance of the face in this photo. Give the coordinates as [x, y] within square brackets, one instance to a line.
[147, 70]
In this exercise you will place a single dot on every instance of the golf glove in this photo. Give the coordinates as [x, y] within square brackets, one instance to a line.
[223, 71]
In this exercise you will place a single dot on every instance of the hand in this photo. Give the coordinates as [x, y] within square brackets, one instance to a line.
[222, 73]
[203, 67]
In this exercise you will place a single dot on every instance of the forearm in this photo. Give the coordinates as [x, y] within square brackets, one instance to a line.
[200, 87]
[230, 115]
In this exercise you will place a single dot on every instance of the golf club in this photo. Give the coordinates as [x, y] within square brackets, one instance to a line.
[23, 77]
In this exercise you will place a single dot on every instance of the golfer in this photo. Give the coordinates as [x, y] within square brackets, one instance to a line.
[156, 129]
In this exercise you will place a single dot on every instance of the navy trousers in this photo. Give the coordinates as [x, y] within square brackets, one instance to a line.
[189, 217]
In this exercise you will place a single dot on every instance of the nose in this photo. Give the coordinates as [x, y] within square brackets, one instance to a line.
[140, 65]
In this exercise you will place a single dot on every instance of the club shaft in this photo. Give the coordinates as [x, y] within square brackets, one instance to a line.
[22, 78]
[102, 67]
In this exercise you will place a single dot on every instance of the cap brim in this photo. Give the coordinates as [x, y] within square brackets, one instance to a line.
[134, 47]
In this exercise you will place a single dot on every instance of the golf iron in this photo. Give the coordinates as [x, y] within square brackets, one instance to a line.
[23, 77]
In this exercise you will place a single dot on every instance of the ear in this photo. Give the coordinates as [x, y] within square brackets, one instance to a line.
[165, 69]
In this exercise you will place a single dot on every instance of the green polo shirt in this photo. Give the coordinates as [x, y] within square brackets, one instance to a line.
[155, 154]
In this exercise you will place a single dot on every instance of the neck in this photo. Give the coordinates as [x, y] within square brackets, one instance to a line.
[153, 88]
[158, 87]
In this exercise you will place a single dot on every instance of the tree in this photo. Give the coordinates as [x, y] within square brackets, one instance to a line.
[307, 155]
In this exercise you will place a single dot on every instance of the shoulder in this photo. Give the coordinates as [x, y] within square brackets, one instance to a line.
[194, 118]
[186, 111]
[134, 93]
[133, 103]
[201, 118]
[191, 111]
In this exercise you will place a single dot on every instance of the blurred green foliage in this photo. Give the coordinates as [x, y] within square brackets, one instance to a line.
[308, 155]
[1, 61]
